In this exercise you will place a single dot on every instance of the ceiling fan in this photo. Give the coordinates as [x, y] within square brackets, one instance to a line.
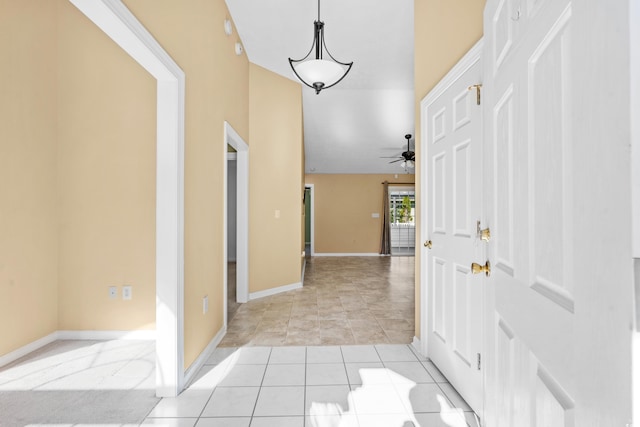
[408, 158]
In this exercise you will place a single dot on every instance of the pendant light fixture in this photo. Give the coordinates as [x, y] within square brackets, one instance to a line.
[319, 73]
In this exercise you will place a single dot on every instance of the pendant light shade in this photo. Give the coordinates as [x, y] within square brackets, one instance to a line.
[319, 72]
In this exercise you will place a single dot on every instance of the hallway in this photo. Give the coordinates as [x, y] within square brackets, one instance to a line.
[344, 300]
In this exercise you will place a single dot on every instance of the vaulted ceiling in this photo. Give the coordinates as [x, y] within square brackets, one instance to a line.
[348, 127]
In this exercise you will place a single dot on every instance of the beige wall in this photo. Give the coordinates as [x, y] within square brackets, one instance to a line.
[74, 102]
[28, 234]
[444, 30]
[106, 180]
[342, 212]
[217, 90]
[275, 180]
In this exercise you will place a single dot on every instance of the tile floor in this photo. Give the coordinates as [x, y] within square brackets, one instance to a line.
[111, 383]
[80, 383]
[332, 354]
[345, 300]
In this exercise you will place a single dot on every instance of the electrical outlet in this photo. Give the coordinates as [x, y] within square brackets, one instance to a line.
[127, 292]
[205, 304]
[113, 292]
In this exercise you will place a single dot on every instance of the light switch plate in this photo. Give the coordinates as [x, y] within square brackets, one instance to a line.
[127, 292]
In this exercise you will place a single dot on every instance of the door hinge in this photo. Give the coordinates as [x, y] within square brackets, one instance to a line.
[479, 361]
[477, 88]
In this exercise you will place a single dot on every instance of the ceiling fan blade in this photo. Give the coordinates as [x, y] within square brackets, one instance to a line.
[389, 157]
[395, 161]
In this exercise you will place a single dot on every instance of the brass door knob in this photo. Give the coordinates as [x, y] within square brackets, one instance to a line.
[428, 244]
[477, 268]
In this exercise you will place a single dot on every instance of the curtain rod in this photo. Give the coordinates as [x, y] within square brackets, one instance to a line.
[399, 183]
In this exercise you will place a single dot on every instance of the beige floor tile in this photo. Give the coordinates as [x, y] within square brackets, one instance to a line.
[361, 314]
[272, 325]
[269, 338]
[399, 336]
[396, 324]
[333, 315]
[371, 335]
[345, 300]
[303, 325]
[303, 338]
[305, 315]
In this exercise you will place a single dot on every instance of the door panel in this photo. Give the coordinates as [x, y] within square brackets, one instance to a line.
[528, 206]
[453, 152]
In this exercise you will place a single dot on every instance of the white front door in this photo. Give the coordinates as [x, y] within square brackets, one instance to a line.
[528, 206]
[555, 187]
[553, 302]
[452, 159]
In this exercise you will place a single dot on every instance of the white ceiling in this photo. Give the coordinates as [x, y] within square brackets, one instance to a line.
[365, 116]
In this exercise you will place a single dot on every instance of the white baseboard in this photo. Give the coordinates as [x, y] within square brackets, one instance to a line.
[29, 348]
[147, 335]
[346, 254]
[274, 291]
[199, 362]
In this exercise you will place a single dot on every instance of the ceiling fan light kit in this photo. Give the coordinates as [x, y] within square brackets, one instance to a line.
[319, 72]
[408, 158]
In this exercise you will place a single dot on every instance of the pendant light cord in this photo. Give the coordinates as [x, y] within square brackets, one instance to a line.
[318, 10]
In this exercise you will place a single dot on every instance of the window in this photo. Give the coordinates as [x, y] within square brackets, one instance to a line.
[402, 205]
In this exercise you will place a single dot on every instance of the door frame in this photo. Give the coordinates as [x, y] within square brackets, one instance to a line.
[311, 218]
[119, 24]
[470, 58]
[634, 72]
[232, 138]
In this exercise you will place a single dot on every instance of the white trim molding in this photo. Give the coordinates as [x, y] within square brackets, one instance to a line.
[347, 254]
[634, 68]
[204, 356]
[118, 23]
[142, 335]
[312, 228]
[274, 291]
[232, 138]
[26, 349]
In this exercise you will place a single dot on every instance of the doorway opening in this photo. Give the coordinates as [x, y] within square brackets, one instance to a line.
[232, 230]
[402, 205]
[308, 221]
[119, 24]
[236, 222]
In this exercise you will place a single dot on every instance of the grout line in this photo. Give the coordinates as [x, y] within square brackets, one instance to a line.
[264, 374]
[304, 392]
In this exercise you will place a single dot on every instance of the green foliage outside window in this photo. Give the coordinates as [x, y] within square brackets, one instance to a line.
[402, 212]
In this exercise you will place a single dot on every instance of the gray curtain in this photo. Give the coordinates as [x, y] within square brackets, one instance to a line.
[385, 244]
